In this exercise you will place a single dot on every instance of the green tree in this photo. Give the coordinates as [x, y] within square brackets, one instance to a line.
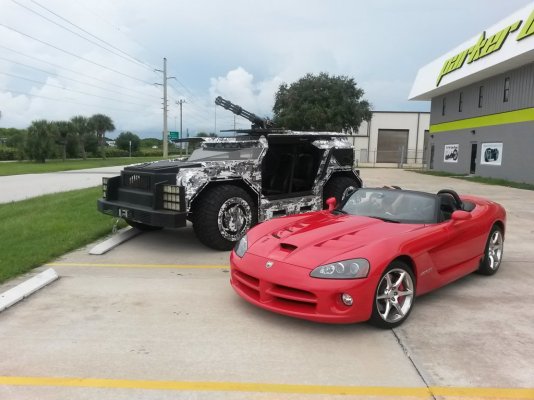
[321, 103]
[101, 124]
[150, 142]
[63, 129]
[123, 141]
[40, 141]
[81, 128]
[14, 138]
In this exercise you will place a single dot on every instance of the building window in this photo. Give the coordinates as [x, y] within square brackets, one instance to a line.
[443, 105]
[461, 102]
[506, 95]
[480, 96]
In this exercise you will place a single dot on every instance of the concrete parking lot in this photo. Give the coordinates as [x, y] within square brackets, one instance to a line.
[156, 318]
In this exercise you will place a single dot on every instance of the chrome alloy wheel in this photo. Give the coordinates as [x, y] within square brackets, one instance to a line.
[495, 249]
[234, 218]
[394, 296]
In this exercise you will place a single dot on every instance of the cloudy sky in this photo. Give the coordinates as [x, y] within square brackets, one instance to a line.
[62, 58]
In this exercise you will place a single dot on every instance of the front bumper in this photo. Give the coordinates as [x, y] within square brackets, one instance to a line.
[144, 215]
[289, 290]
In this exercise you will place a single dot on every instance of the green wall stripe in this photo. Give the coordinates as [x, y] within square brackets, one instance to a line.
[511, 117]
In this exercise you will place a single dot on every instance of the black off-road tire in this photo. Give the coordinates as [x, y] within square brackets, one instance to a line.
[337, 187]
[493, 252]
[222, 215]
[142, 227]
[383, 318]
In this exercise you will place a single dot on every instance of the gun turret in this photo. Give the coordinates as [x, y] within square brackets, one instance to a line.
[257, 122]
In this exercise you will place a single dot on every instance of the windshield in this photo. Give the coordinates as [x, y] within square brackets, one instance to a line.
[219, 153]
[392, 205]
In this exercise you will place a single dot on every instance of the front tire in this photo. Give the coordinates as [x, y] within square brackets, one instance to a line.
[493, 252]
[339, 187]
[222, 215]
[394, 296]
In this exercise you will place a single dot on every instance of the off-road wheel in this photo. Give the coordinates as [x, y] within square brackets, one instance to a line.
[493, 252]
[141, 226]
[394, 296]
[222, 215]
[339, 187]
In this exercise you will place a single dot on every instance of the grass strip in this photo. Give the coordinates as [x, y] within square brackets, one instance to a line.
[38, 230]
[30, 167]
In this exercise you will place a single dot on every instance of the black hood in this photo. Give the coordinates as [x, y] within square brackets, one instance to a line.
[164, 166]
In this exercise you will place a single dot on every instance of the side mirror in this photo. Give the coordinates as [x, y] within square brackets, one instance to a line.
[332, 203]
[460, 215]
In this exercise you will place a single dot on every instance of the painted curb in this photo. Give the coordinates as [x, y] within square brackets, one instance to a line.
[119, 238]
[26, 288]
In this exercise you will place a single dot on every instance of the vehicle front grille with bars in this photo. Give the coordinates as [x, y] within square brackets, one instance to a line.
[284, 297]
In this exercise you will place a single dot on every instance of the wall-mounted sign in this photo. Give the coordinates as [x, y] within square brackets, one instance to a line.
[491, 154]
[485, 46]
[498, 48]
[450, 153]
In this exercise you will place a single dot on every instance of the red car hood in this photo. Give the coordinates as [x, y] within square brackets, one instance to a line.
[321, 237]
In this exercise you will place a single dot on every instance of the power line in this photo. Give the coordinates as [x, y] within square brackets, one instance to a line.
[76, 33]
[76, 72]
[70, 90]
[96, 37]
[70, 101]
[71, 79]
[74, 55]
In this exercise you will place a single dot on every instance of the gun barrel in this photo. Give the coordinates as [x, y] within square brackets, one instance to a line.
[238, 110]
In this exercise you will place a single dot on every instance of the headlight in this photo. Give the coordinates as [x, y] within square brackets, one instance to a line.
[348, 269]
[241, 246]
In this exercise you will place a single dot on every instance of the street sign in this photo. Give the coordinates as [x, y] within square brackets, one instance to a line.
[174, 135]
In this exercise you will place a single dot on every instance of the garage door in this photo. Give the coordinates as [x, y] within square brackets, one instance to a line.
[392, 143]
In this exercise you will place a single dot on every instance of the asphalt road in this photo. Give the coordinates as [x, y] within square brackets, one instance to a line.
[20, 187]
[156, 318]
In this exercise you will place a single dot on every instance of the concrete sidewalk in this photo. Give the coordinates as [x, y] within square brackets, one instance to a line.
[20, 187]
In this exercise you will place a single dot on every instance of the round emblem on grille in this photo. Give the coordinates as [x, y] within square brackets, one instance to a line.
[269, 264]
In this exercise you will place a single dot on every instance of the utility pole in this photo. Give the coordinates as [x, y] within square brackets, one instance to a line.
[180, 102]
[165, 129]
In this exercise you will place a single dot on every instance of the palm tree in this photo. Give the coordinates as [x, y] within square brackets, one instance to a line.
[101, 124]
[40, 143]
[80, 125]
[63, 129]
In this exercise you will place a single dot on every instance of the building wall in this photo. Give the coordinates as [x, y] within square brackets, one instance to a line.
[516, 158]
[521, 96]
[517, 138]
[416, 123]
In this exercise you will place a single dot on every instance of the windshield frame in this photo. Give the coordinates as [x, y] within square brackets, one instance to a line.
[430, 214]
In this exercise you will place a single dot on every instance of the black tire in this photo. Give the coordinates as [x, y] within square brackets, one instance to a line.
[337, 187]
[492, 252]
[141, 226]
[392, 304]
[222, 215]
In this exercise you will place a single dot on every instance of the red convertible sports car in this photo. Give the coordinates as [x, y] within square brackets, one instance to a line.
[368, 258]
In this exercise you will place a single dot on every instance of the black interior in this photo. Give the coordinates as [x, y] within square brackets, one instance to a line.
[290, 168]
[449, 202]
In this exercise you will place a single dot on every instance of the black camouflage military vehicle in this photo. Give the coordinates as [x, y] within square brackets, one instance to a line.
[231, 184]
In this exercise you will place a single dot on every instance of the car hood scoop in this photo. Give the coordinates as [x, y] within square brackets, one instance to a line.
[321, 236]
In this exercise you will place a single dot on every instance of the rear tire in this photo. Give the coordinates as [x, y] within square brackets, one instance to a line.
[493, 252]
[339, 187]
[142, 227]
[222, 215]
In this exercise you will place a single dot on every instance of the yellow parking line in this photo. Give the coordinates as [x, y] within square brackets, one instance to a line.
[108, 265]
[504, 393]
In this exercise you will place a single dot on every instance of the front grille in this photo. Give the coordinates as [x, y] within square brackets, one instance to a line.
[136, 181]
[284, 297]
